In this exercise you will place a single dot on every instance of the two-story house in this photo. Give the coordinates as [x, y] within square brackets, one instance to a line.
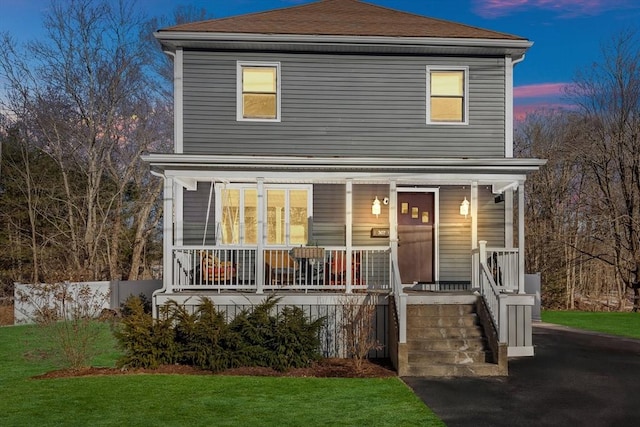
[338, 150]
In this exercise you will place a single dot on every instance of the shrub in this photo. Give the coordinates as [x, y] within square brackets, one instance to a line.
[256, 337]
[146, 343]
[66, 315]
[202, 337]
[358, 328]
[146, 304]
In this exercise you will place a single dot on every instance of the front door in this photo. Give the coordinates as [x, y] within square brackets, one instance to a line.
[416, 216]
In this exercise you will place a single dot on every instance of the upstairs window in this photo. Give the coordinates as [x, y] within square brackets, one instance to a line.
[258, 91]
[447, 90]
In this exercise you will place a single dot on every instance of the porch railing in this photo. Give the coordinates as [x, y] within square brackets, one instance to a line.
[510, 312]
[502, 264]
[299, 268]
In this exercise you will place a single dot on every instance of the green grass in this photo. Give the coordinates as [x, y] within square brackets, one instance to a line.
[622, 324]
[169, 400]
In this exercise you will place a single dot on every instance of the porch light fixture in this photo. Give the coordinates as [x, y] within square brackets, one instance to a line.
[375, 207]
[464, 207]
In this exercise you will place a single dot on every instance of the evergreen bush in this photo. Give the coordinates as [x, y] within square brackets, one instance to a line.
[146, 343]
[257, 337]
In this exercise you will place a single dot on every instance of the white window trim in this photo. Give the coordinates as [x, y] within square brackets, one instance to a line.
[288, 187]
[240, 65]
[219, 206]
[465, 106]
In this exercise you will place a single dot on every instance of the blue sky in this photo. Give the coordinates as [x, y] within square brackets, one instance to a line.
[567, 34]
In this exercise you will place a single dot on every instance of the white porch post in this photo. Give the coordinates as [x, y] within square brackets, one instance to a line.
[349, 229]
[261, 238]
[508, 219]
[474, 215]
[393, 222]
[521, 238]
[167, 241]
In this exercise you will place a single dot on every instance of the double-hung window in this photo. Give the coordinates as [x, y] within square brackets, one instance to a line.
[447, 95]
[258, 86]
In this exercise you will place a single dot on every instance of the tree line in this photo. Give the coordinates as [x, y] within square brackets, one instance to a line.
[583, 207]
[79, 105]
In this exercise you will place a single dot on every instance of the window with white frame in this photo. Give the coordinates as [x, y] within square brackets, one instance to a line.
[447, 95]
[238, 215]
[258, 86]
[286, 214]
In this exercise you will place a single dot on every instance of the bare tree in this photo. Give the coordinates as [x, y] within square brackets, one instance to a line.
[609, 98]
[88, 101]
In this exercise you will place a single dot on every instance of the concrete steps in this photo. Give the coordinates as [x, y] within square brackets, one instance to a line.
[447, 340]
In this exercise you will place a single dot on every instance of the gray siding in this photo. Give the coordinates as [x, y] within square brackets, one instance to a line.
[328, 225]
[455, 230]
[195, 215]
[490, 218]
[455, 235]
[343, 105]
[363, 219]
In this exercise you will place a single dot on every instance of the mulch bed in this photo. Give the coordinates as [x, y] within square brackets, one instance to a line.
[326, 368]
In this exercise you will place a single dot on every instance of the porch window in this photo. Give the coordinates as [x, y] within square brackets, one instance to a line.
[239, 216]
[287, 214]
[287, 209]
[447, 95]
[258, 91]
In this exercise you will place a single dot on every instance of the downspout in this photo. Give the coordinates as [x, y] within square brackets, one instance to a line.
[508, 146]
[167, 237]
[178, 89]
[508, 125]
[178, 129]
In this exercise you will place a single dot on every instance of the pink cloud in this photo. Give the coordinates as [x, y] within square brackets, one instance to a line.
[520, 112]
[542, 90]
[566, 8]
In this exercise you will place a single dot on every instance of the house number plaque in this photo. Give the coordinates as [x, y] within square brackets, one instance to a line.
[379, 232]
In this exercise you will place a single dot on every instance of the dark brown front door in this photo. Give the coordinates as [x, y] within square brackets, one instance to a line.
[416, 215]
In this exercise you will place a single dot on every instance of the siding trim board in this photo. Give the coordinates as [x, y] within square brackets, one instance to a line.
[340, 168]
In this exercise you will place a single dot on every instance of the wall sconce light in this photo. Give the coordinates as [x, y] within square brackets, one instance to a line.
[375, 207]
[464, 207]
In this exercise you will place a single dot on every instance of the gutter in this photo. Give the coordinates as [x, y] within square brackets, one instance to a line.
[515, 47]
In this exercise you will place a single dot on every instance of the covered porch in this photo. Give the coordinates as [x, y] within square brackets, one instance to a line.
[476, 224]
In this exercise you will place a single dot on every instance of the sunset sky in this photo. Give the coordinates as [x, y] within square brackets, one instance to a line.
[568, 34]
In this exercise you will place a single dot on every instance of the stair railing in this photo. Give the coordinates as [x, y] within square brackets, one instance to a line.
[495, 300]
[401, 300]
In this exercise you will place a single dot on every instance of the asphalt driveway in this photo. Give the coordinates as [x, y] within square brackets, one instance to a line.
[576, 378]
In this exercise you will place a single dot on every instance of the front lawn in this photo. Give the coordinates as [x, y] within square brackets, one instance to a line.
[622, 324]
[193, 399]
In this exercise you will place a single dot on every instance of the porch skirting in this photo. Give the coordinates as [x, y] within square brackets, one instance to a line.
[330, 306]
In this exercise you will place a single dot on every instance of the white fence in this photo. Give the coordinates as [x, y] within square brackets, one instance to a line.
[67, 299]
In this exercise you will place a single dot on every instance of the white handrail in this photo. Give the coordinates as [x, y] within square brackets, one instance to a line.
[496, 301]
[401, 301]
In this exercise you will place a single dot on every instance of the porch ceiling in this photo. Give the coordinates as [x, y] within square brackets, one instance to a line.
[188, 168]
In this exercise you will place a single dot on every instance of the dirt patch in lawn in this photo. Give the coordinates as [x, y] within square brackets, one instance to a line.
[326, 368]
[6, 314]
